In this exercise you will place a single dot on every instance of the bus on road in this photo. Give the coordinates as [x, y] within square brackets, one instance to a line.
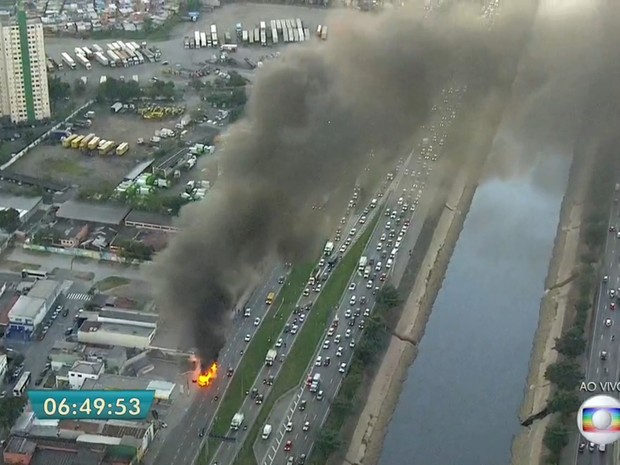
[37, 274]
[22, 384]
[270, 298]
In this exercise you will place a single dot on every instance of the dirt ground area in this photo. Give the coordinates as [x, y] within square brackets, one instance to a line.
[74, 167]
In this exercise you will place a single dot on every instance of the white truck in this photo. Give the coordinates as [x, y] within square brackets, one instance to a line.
[363, 262]
[272, 354]
[68, 60]
[101, 58]
[83, 61]
[266, 431]
[237, 421]
[329, 248]
[367, 272]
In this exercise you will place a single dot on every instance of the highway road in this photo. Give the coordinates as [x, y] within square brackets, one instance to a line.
[182, 442]
[409, 186]
[605, 339]
[227, 451]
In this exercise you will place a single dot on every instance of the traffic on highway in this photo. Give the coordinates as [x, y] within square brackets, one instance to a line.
[295, 427]
[604, 358]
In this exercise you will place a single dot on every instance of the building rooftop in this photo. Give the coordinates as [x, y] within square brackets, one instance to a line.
[138, 216]
[129, 316]
[26, 307]
[109, 381]
[87, 368]
[19, 445]
[44, 289]
[93, 212]
[138, 169]
[98, 326]
[22, 204]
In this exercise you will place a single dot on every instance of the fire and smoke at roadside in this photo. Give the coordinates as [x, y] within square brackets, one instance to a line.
[316, 114]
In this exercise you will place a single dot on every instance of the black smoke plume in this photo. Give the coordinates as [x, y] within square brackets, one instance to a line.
[312, 121]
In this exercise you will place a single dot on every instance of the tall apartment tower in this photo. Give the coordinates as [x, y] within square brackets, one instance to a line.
[24, 94]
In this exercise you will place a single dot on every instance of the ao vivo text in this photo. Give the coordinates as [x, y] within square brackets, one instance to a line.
[601, 386]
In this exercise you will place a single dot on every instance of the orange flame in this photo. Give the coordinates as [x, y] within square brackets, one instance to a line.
[206, 379]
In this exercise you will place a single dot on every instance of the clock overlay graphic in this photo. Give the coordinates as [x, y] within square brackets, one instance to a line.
[94, 405]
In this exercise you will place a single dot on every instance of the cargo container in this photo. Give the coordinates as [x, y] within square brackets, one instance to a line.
[285, 35]
[103, 79]
[251, 36]
[107, 147]
[78, 51]
[214, 35]
[274, 36]
[122, 149]
[94, 143]
[244, 36]
[84, 142]
[97, 48]
[203, 39]
[66, 142]
[87, 52]
[324, 33]
[75, 143]
[197, 38]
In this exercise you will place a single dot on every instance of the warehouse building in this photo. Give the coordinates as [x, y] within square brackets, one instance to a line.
[124, 335]
[153, 221]
[30, 310]
[25, 206]
[93, 212]
[164, 390]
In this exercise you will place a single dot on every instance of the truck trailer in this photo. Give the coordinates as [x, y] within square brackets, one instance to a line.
[84, 142]
[122, 149]
[66, 142]
[83, 61]
[197, 38]
[101, 58]
[106, 148]
[94, 143]
[68, 60]
[75, 143]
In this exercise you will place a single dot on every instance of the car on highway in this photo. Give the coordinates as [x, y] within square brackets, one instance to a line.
[306, 292]
[306, 426]
[612, 293]
[279, 342]
[582, 447]
[339, 351]
[347, 313]
[247, 338]
[281, 280]
[369, 284]
[256, 321]
[289, 426]
[352, 300]
[294, 329]
[288, 446]
[327, 362]
[348, 333]
[342, 368]
[608, 322]
[591, 447]
[202, 432]
[603, 355]
[319, 395]
[337, 339]
[366, 312]
[319, 361]
[612, 306]
[302, 405]
[352, 286]
[352, 344]
[290, 460]
[326, 344]
[301, 460]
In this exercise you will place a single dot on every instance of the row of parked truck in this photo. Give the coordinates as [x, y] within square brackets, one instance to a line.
[91, 143]
[116, 55]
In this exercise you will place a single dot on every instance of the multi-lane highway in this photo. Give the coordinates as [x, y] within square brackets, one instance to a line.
[260, 389]
[604, 358]
[183, 442]
[297, 423]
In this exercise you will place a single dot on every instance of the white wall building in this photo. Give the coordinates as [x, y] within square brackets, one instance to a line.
[81, 371]
[24, 93]
[30, 310]
[124, 335]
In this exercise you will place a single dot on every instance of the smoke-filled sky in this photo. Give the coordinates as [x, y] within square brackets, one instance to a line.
[315, 114]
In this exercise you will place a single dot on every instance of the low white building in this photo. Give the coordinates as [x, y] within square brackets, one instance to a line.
[82, 370]
[30, 310]
[124, 335]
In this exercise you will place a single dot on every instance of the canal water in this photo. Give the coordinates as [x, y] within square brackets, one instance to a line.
[460, 402]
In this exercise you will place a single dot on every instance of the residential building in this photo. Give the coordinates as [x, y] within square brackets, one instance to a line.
[24, 93]
[82, 370]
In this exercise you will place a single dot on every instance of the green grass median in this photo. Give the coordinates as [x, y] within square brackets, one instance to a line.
[254, 358]
[298, 358]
